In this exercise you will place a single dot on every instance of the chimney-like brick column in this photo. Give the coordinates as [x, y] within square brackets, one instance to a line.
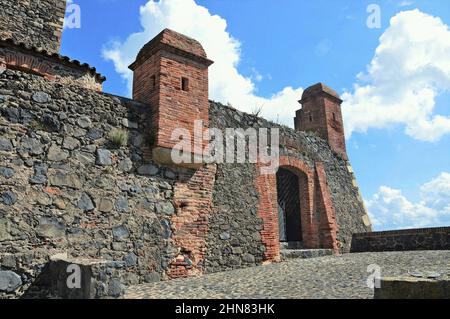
[171, 75]
[321, 113]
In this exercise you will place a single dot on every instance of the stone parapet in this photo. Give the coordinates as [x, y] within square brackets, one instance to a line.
[402, 240]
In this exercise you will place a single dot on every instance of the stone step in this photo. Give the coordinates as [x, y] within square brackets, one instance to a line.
[287, 254]
[291, 245]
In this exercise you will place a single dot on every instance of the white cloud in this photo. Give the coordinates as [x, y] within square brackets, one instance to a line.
[389, 208]
[405, 3]
[436, 193]
[227, 85]
[411, 67]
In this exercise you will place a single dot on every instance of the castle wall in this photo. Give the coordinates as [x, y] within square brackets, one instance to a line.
[237, 225]
[66, 188]
[37, 23]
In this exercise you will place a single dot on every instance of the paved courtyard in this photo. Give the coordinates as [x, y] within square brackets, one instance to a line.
[324, 277]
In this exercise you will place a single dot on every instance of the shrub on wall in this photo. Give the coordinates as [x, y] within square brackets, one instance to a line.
[118, 137]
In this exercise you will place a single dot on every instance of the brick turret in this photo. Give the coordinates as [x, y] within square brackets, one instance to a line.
[171, 74]
[321, 113]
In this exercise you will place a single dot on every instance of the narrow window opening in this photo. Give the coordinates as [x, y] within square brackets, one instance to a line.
[334, 117]
[153, 82]
[310, 118]
[185, 84]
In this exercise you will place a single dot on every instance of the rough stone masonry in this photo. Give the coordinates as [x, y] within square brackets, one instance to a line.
[85, 174]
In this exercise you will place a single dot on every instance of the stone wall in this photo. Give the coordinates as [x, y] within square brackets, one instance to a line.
[69, 185]
[237, 192]
[37, 23]
[234, 238]
[402, 240]
[66, 188]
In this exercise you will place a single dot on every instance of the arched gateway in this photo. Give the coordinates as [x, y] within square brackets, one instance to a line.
[296, 207]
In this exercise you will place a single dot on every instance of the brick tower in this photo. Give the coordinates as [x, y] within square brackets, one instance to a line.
[171, 74]
[321, 113]
[36, 23]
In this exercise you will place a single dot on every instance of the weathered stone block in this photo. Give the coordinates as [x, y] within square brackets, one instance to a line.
[84, 157]
[225, 236]
[6, 172]
[70, 143]
[8, 198]
[51, 123]
[62, 178]
[120, 233]
[57, 154]
[248, 258]
[130, 260]
[84, 122]
[91, 278]
[105, 205]
[41, 97]
[125, 165]
[50, 228]
[165, 208]
[9, 281]
[408, 287]
[85, 203]
[148, 169]
[32, 146]
[5, 230]
[122, 205]
[94, 134]
[103, 157]
[5, 145]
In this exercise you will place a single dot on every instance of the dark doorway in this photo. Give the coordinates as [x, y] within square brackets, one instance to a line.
[289, 206]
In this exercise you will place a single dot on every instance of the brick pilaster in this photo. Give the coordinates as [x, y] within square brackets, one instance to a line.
[193, 201]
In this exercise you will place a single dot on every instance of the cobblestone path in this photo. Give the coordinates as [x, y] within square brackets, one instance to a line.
[342, 276]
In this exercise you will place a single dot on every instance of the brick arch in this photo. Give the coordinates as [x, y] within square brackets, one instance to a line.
[27, 63]
[268, 206]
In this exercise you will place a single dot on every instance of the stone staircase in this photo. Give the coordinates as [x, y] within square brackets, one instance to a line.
[292, 250]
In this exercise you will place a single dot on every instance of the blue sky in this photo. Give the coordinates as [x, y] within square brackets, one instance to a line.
[267, 52]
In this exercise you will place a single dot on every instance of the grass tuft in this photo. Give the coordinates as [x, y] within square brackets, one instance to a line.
[118, 137]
